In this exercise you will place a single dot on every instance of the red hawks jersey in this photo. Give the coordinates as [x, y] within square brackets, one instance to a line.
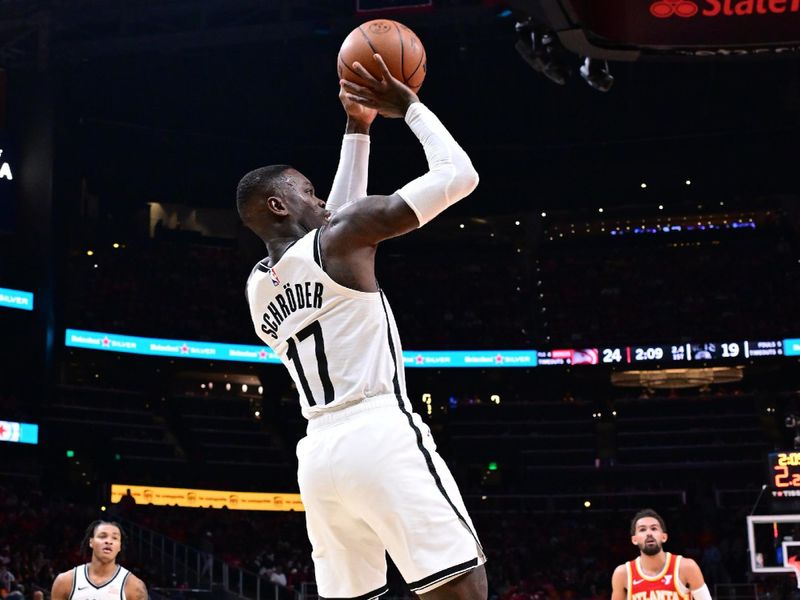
[664, 586]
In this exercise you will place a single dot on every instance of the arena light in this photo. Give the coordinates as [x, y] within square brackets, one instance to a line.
[596, 73]
[541, 50]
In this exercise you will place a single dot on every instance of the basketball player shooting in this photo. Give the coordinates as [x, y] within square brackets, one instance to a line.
[369, 475]
[656, 575]
[101, 576]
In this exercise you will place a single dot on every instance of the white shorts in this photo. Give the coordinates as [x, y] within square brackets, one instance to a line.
[372, 482]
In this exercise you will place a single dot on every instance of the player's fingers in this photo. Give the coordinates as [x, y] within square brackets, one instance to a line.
[352, 87]
[364, 74]
[363, 101]
[387, 75]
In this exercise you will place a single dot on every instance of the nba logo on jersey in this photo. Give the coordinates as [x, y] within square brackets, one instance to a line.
[273, 275]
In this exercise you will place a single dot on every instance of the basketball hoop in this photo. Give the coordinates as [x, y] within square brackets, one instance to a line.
[793, 563]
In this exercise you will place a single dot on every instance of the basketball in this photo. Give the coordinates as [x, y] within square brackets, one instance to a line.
[400, 48]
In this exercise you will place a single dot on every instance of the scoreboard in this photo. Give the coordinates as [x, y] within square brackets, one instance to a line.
[784, 474]
[665, 355]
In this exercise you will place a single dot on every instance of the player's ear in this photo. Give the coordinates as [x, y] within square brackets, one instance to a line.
[633, 541]
[664, 537]
[277, 205]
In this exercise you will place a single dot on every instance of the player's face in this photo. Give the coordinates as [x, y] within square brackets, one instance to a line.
[302, 202]
[106, 542]
[649, 536]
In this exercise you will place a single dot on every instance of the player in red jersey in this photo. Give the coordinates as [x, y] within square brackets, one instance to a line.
[656, 575]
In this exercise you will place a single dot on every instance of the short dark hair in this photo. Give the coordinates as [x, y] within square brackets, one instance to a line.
[647, 512]
[90, 534]
[264, 180]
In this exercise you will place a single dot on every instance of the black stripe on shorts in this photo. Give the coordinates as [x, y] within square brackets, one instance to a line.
[427, 455]
[443, 574]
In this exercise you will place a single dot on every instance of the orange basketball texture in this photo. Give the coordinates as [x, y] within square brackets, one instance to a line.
[400, 48]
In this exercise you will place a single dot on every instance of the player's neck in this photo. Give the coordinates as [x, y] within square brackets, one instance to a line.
[100, 571]
[652, 565]
[276, 247]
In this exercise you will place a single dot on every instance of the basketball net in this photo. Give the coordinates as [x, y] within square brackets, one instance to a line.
[793, 563]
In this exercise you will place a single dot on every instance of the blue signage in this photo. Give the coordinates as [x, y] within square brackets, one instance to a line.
[93, 340]
[20, 433]
[16, 299]
[791, 347]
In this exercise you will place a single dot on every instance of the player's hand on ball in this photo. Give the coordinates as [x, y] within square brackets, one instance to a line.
[389, 96]
[356, 111]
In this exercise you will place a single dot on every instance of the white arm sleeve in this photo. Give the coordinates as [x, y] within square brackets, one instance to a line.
[350, 181]
[451, 176]
[701, 593]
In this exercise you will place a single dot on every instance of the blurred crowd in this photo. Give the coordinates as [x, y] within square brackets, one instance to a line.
[489, 292]
[531, 556]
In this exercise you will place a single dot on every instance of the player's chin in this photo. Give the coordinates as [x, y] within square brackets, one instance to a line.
[651, 549]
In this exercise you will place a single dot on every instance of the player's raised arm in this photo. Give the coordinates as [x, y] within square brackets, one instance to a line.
[350, 181]
[450, 177]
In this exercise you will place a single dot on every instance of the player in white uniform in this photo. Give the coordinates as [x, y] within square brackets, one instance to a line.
[101, 578]
[369, 474]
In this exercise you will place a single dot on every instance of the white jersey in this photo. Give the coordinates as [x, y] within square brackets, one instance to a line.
[84, 589]
[339, 345]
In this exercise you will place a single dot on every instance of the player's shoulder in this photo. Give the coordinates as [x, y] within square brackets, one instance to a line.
[687, 564]
[135, 589]
[62, 584]
[621, 570]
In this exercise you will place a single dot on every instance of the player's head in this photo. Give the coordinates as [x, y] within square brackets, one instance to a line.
[279, 201]
[648, 531]
[104, 539]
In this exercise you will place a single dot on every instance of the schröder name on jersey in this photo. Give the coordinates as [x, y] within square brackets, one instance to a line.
[292, 298]
[656, 595]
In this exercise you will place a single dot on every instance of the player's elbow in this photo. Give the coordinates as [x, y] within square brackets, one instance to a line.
[465, 180]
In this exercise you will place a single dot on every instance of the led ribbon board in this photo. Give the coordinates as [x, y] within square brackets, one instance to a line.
[19, 433]
[194, 498]
[16, 299]
[242, 353]
[659, 356]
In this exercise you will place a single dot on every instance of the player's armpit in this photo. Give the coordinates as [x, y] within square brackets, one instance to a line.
[691, 575]
[135, 589]
[368, 221]
[618, 582]
[62, 586]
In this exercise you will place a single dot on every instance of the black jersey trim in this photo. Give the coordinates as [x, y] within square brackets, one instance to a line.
[122, 586]
[427, 455]
[98, 587]
[317, 251]
[373, 594]
[74, 582]
[443, 574]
